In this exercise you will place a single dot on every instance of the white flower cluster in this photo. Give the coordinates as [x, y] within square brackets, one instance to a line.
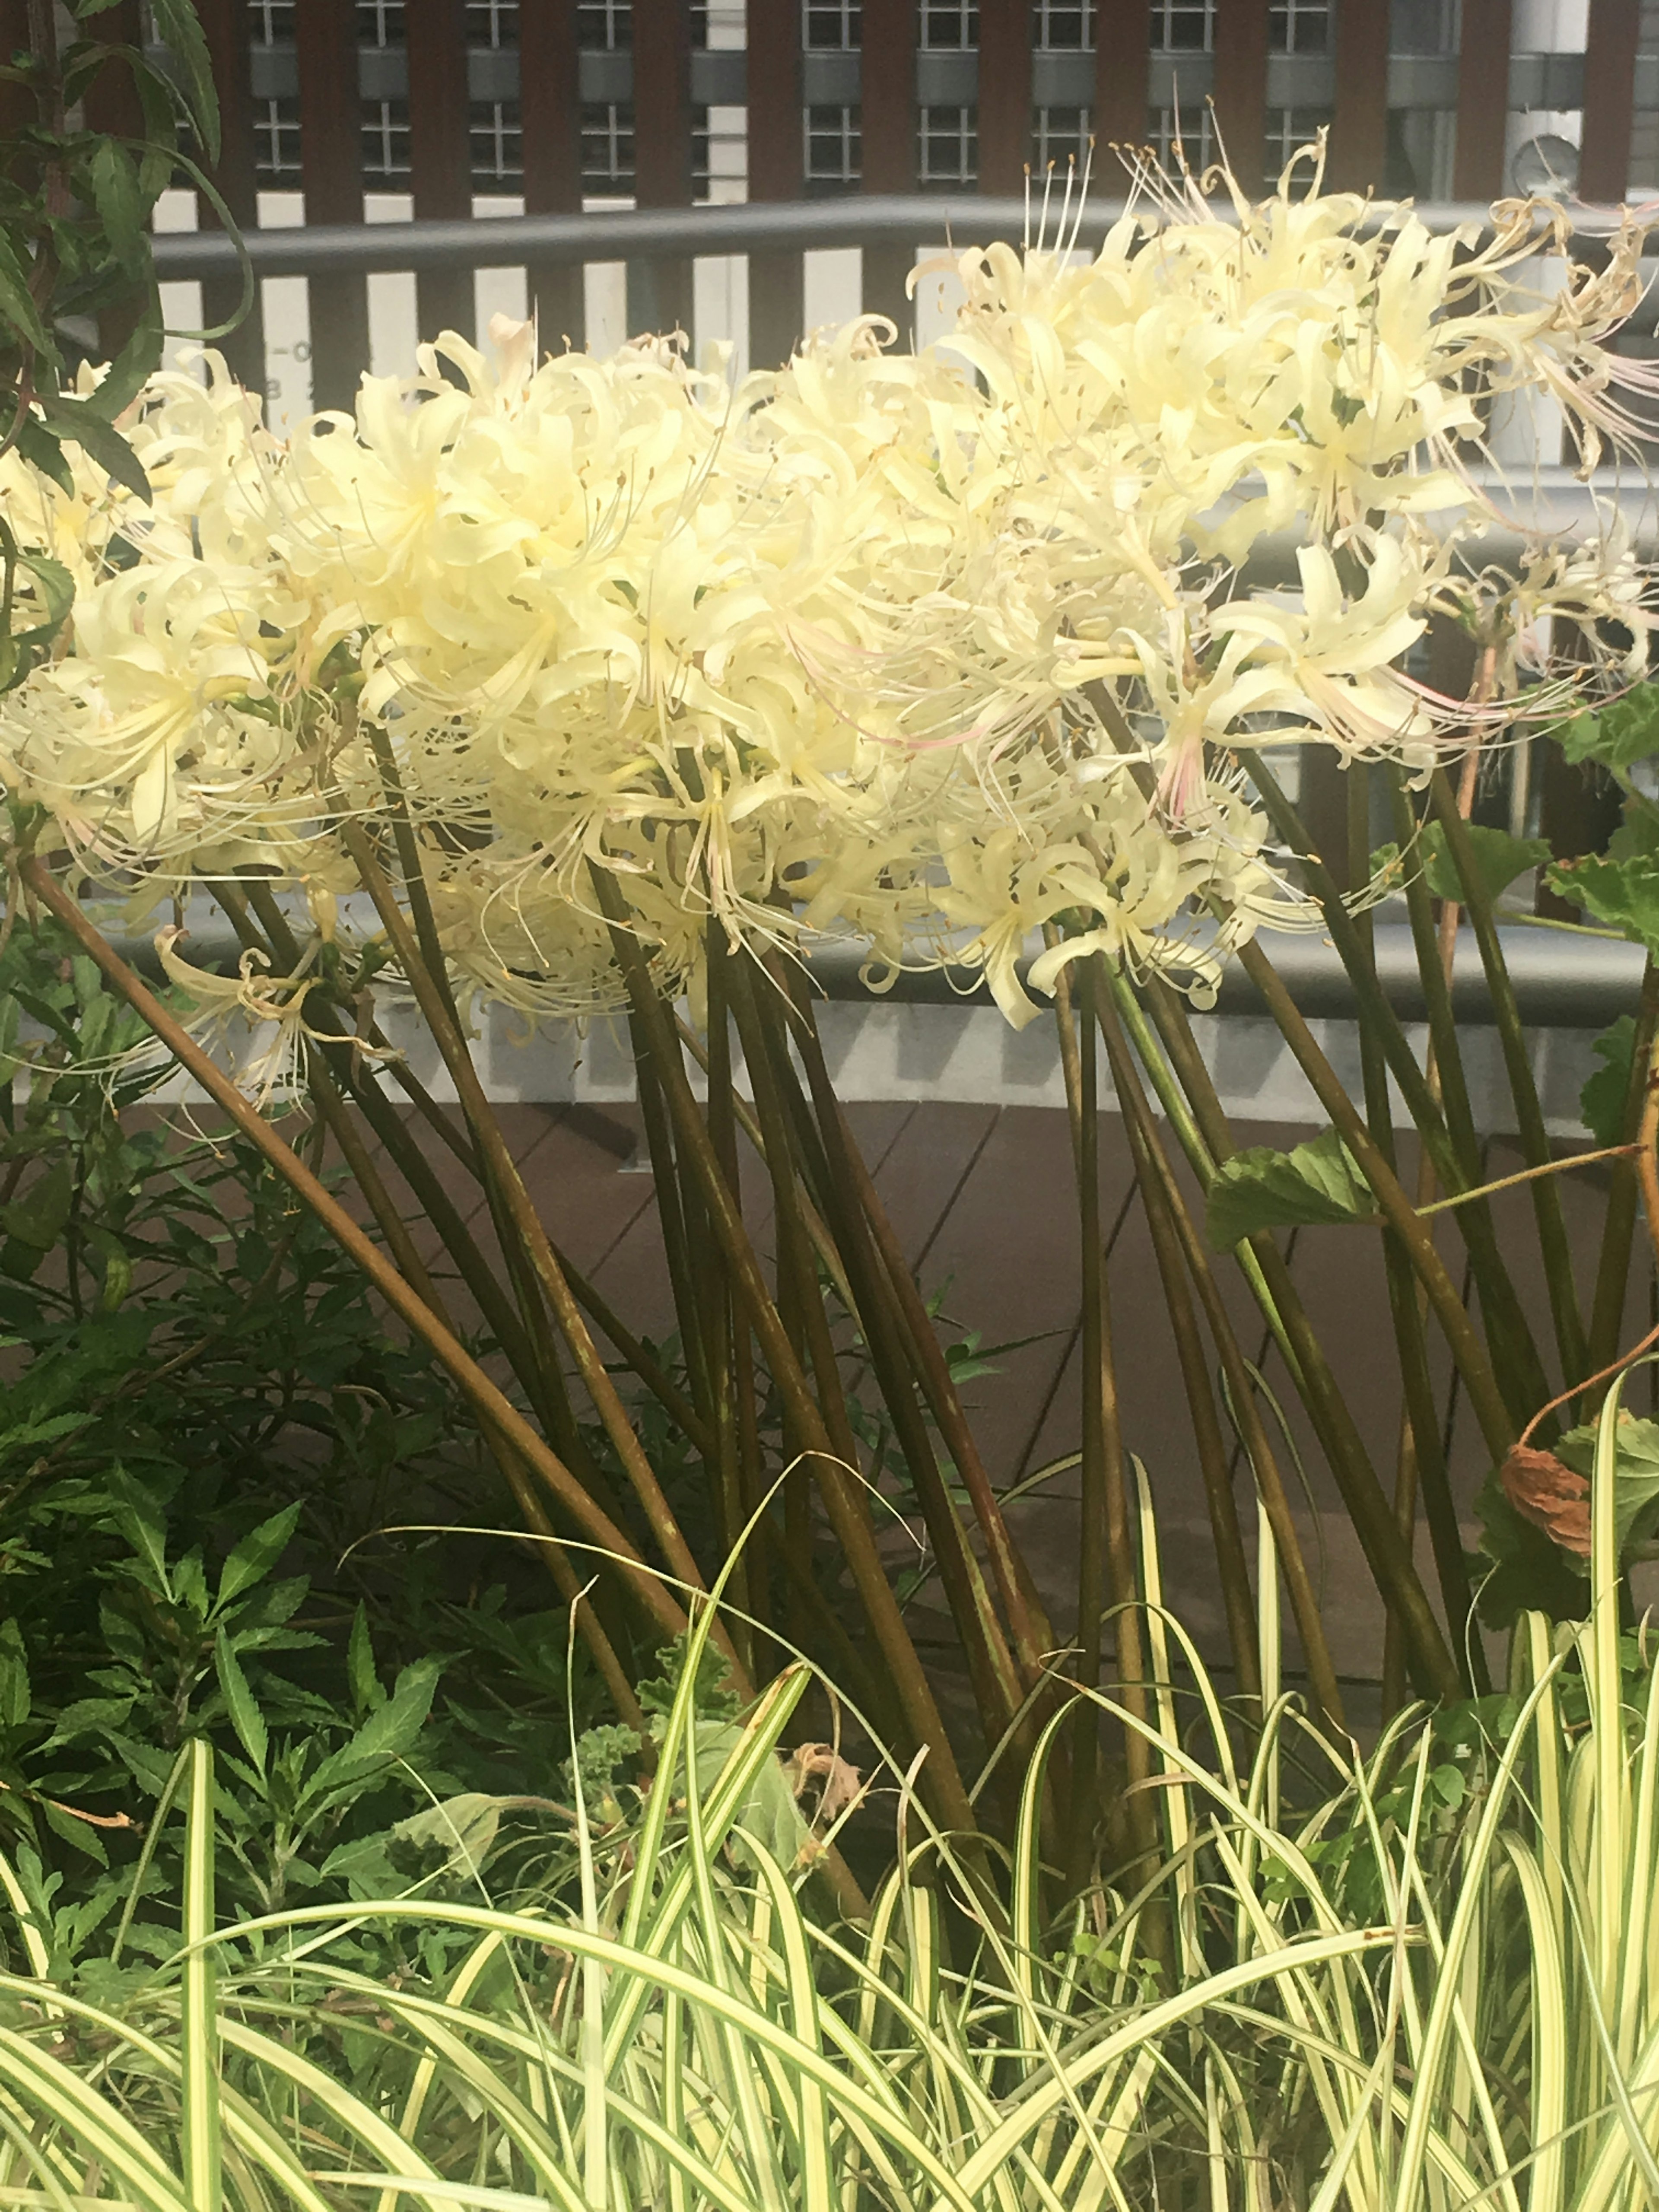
[928, 649]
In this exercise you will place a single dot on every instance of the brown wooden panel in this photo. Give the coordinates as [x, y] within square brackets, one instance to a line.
[887, 126]
[1241, 87]
[659, 291]
[1359, 128]
[1004, 93]
[112, 106]
[777, 172]
[331, 175]
[1483, 95]
[225, 25]
[1123, 41]
[439, 153]
[1610, 46]
[550, 106]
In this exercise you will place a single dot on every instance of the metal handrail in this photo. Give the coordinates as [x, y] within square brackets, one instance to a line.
[746, 227]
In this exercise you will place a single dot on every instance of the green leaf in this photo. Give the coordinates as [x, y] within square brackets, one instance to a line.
[16, 1700]
[42, 451]
[109, 450]
[1499, 857]
[114, 183]
[1622, 892]
[368, 1690]
[1620, 734]
[17, 306]
[463, 1827]
[244, 1714]
[137, 361]
[1312, 1185]
[387, 1734]
[39, 1216]
[139, 1516]
[1636, 1471]
[1602, 1101]
[177, 28]
[255, 1556]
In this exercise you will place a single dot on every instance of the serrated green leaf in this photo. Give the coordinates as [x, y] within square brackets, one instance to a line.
[1620, 734]
[17, 1698]
[465, 1827]
[1623, 893]
[240, 1701]
[139, 1518]
[1499, 857]
[109, 450]
[137, 361]
[1636, 1469]
[43, 450]
[256, 1555]
[17, 303]
[113, 181]
[1312, 1185]
[387, 1734]
[177, 28]
[1602, 1101]
[368, 1690]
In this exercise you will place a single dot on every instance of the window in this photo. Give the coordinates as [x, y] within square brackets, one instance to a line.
[1183, 27]
[606, 23]
[1062, 139]
[948, 25]
[270, 21]
[1289, 127]
[1298, 27]
[492, 22]
[381, 22]
[1064, 27]
[608, 147]
[832, 146]
[276, 142]
[386, 143]
[832, 26]
[1189, 138]
[948, 146]
[496, 138]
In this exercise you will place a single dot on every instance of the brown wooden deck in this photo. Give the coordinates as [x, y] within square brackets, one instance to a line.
[982, 1199]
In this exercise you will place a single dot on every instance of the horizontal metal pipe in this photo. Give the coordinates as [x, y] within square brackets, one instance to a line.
[754, 226]
[1561, 981]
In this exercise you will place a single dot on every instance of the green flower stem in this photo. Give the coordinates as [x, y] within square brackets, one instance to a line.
[1619, 1223]
[1553, 1242]
[491, 1405]
[996, 1685]
[671, 1214]
[1181, 1253]
[838, 1476]
[1479, 1380]
[1161, 1200]
[522, 1231]
[1028, 1626]
[721, 1321]
[1521, 1370]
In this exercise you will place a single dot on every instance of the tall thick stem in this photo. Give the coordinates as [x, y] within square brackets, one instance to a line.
[488, 1402]
[1519, 1372]
[1553, 1242]
[522, 1227]
[839, 1481]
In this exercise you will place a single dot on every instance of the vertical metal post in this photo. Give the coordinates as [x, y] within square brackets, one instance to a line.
[1610, 45]
[331, 175]
[550, 119]
[440, 150]
[1359, 127]
[1483, 100]
[887, 94]
[1241, 88]
[660, 293]
[1005, 117]
[777, 171]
